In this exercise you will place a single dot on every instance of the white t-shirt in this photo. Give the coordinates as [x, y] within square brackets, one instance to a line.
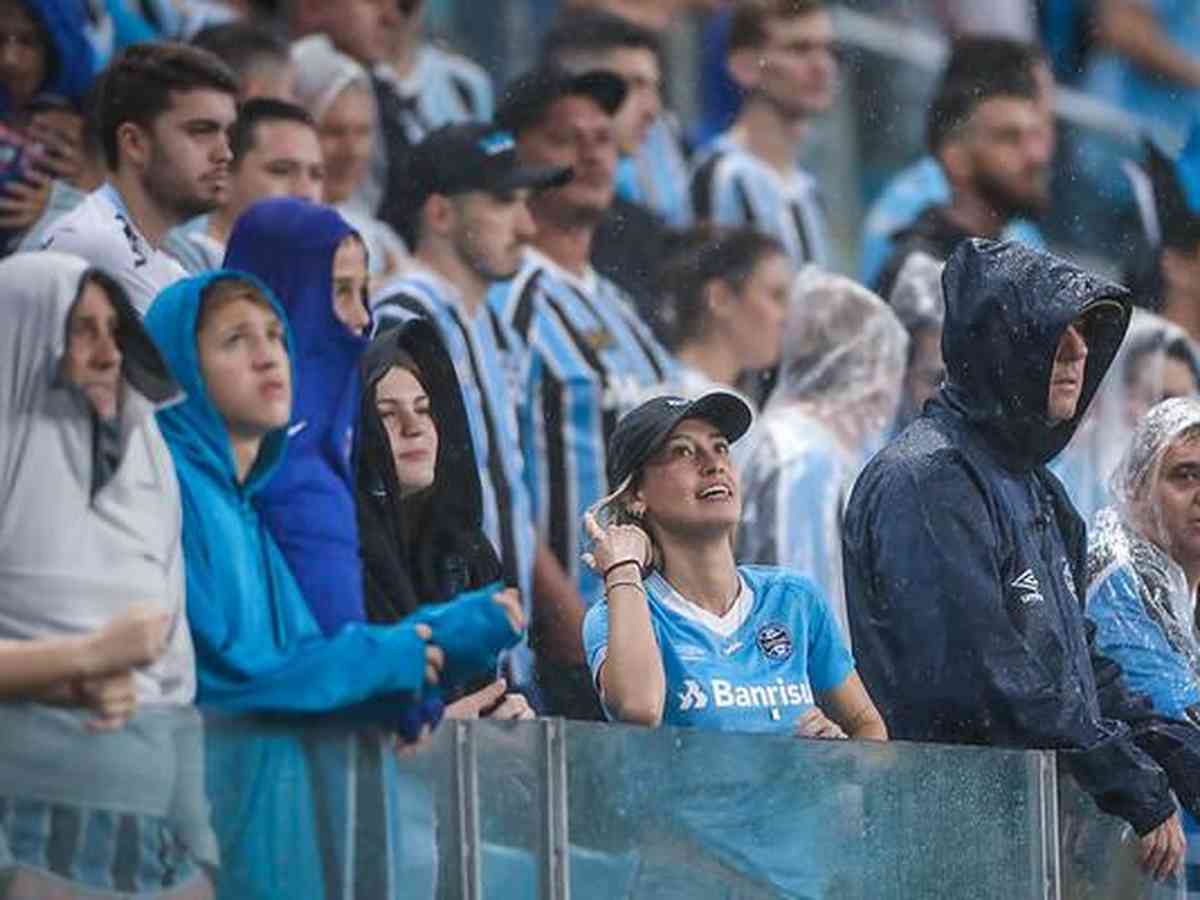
[101, 231]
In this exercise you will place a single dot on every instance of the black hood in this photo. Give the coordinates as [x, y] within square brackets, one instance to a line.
[426, 548]
[1007, 306]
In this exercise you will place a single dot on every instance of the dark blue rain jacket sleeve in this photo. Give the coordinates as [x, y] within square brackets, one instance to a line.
[942, 657]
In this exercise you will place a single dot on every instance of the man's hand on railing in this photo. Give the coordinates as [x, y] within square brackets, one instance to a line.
[1163, 849]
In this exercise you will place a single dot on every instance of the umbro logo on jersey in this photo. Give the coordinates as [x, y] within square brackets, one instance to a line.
[688, 652]
[732, 648]
[1027, 583]
[297, 428]
[693, 696]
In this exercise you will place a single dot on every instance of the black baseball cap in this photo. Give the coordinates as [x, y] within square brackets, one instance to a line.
[527, 97]
[640, 433]
[473, 156]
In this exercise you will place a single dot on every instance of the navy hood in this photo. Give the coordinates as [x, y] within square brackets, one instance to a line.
[1007, 307]
[70, 60]
[289, 244]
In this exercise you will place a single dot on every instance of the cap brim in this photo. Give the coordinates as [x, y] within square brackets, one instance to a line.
[538, 179]
[607, 89]
[729, 412]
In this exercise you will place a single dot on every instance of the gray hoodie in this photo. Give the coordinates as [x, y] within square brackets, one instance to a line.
[76, 549]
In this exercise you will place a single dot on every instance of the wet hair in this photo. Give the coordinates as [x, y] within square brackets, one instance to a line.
[979, 69]
[221, 292]
[593, 31]
[137, 86]
[243, 46]
[243, 136]
[700, 256]
[751, 18]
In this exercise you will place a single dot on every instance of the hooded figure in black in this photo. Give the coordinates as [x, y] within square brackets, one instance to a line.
[965, 560]
[428, 547]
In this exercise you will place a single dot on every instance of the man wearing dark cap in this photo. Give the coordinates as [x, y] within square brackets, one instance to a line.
[965, 561]
[591, 357]
[468, 223]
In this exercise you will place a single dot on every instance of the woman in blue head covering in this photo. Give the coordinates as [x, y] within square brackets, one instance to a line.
[315, 263]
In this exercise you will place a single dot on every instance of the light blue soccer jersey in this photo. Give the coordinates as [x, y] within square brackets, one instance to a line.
[732, 186]
[589, 360]
[755, 669]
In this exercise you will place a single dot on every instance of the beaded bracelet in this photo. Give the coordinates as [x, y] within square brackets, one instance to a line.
[617, 565]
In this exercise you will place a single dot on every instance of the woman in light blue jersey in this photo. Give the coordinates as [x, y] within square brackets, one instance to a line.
[685, 636]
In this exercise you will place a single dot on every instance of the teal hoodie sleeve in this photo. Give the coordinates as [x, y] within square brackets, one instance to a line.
[471, 629]
[295, 669]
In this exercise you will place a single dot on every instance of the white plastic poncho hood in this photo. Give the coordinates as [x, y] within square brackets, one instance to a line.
[1132, 533]
[1135, 382]
[75, 553]
[844, 356]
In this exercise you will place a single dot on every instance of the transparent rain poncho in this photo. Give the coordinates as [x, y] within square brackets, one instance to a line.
[1145, 371]
[1138, 595]
[918, 303]
[844, 356]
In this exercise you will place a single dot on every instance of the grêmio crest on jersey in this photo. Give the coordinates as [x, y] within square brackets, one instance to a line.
[775, 641]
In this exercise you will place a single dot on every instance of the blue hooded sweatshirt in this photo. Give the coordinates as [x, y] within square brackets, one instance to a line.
[258, 647]
[309, 506]
[70, 61]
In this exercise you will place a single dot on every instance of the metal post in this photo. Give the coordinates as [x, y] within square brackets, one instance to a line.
[1051, 839]
[464, 876]
[555, 876]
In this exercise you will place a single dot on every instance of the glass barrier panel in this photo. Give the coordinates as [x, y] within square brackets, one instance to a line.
[682, 813]
[1098, 854]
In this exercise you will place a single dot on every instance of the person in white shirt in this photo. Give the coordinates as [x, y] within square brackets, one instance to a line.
[165, 111]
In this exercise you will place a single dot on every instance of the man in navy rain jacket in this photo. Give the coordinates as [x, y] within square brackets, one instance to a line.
[964, 557]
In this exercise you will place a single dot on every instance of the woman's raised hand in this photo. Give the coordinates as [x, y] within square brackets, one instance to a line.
[616, 544]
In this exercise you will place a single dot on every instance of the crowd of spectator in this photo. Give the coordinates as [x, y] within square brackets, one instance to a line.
[338, 380]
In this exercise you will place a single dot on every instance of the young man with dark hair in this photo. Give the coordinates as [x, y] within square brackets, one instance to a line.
[471, 224]
[260, 58]
[419, 87]
[632, 239]
[923, 184]
[164, 111]
[590, 356]
[988, 135]
[1171, 271]
[276, 153]
[781, 54]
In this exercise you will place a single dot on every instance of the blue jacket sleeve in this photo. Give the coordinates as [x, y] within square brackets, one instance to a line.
[472, 629]
[942, 657]
[255, 670]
